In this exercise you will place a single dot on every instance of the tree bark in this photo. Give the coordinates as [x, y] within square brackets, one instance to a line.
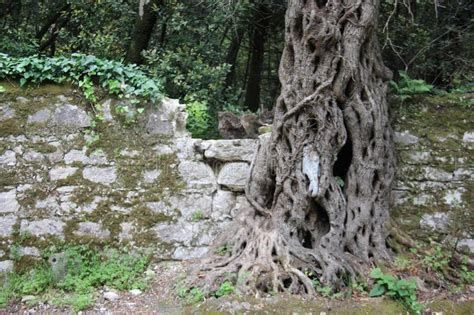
[143, 29]
[262, 19]
[50, 20]
[331, 126]
[232, 55]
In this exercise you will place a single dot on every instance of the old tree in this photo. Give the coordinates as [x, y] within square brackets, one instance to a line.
[319, 185]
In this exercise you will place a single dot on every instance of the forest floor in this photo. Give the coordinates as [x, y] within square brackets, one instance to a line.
[161, 298]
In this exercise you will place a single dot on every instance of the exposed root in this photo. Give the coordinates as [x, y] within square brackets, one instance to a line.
[262, 260]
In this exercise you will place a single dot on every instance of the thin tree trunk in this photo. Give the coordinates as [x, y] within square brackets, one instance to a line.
[142, 32]
[252, 95]
[331, 120]
[232, 55]
[50, 20]
[51, 41]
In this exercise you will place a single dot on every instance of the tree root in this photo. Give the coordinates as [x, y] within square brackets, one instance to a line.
[263, 260]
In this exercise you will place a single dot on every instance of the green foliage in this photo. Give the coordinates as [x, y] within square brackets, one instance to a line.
[402, 262]
[84, 270]
[437, 260]
[407, 87]
[433, 42]
[77, 302]
[226, 288]
[82, 70]
[402, 290]
[192, 296]
[2, 89]
[17, 42]
[197, 215]
[325, 290]
[198, 118]
[223, 250]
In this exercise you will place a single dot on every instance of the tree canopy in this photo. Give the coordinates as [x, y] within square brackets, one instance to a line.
[225, 55]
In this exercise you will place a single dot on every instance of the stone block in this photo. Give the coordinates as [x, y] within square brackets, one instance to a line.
[405, 138]
[60, 172]
[6, 225]
[92, 229]
[101, 175]
[168, 120]
[8, 202]
[6, 266]
[8, 158]
[40, 117]
[71, 117]
[198, 176]
[229, 150]
[234, 176]
[42, 228]
[222, 203]
[438, 222]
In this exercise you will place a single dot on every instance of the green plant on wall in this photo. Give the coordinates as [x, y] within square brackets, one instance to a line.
[402, 290]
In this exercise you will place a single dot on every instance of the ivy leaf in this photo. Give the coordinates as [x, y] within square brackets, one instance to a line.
[376, 273]
[377, 290]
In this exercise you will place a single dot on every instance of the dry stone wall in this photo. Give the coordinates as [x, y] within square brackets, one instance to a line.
[149, 184]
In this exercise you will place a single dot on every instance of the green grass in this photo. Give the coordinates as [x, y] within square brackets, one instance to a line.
[74, 275]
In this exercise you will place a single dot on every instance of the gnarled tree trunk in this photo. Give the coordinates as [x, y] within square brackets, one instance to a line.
[319, 185]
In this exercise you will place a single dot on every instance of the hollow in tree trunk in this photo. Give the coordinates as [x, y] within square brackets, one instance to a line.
[320, 183]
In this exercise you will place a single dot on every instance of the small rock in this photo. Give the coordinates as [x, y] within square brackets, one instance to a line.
[149, 273]
[102, 175]
[76, 156]
[6, 225]
[453, 197]
[40, 117]
[467, 244]
[43, 227]
[8, 202]
[30, 251]
[28, 298]
[33, 156]
[405, 138]
[135, 292]
[6, 113]
[8, 158]
[92, 229]
[468, 136]
[6, 266]
[59, 173]
[111, 296]
[438, 221]
[150, 176]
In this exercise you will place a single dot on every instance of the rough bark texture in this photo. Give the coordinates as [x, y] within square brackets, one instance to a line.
[331, 125]
[142, 31]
